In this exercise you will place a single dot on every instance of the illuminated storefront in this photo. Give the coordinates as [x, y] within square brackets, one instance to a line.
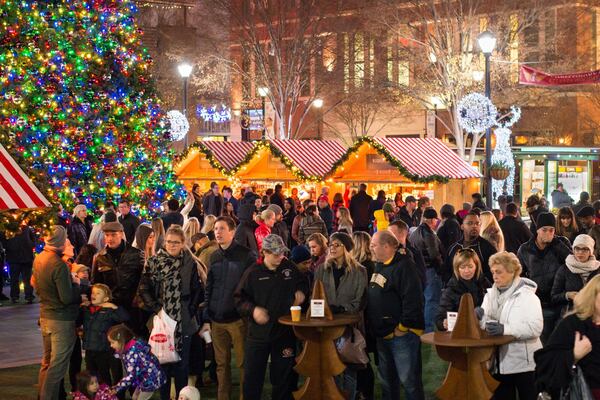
[542, 168]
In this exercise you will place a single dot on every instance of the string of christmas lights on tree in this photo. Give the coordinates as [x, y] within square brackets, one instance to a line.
[503, 153]
[78, 104]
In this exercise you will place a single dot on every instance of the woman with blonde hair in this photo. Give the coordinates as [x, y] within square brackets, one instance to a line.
[566, 224]
[511, 307]
[575, 341]
[209, 226]
[344, 220]
[467, 278]
[190, 228]
[490, 230]
[266, 220]
[345, 284]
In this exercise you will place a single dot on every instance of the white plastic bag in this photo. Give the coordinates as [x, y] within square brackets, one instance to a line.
[162, 338]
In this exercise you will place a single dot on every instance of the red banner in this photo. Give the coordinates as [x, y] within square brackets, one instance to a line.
[534, 77]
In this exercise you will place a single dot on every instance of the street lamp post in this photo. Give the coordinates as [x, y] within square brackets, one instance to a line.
[263, 92]
[487, 44]
[185, 70]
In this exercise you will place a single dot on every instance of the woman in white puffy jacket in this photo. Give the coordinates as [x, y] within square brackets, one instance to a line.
[511, 307]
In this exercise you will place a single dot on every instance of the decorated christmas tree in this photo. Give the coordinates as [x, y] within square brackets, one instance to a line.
[78, 107]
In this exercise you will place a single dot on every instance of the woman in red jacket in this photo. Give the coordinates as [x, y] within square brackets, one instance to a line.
[265, 221]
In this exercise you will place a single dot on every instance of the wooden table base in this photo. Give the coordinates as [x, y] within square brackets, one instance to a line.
[319, 363]
[466, 365]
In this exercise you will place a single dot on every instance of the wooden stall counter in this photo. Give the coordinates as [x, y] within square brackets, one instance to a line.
[467, 348]
[319, 361]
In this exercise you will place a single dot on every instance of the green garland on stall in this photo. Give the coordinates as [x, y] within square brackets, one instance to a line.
[389, 158]
[258, 146]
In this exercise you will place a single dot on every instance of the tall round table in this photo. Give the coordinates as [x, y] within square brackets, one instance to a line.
[468, 377]
[319, 361]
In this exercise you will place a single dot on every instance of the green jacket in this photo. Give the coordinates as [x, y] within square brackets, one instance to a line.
[59, 296]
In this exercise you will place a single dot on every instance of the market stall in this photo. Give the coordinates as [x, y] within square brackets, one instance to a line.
[411, 166]
[301, 164]
[211, 161]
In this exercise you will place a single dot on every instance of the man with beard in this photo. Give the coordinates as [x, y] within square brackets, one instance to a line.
[540, 258]
[471, 227]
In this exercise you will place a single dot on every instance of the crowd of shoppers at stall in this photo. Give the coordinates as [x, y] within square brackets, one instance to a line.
[225, 268]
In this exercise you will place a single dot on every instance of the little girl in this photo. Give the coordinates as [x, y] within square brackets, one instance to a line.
[141, 366]
[89, 389]
[99, 315]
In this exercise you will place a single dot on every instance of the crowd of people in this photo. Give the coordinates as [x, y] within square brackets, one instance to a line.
[226, 268]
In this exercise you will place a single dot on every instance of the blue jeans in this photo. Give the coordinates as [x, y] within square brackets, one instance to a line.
[432, 293]
[400, 362]
[346, 382]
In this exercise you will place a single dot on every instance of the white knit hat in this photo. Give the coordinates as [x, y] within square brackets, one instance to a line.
[585, 241]
[189, 393]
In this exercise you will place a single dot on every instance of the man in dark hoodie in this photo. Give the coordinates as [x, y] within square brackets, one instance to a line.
[277, 197]
[244, 233]
[408, 212]
[249, 197]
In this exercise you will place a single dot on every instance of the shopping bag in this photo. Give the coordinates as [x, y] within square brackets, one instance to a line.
[162, 338]
[578, 388]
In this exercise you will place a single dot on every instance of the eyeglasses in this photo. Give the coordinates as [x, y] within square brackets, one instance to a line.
[581, 249]
[173, 243]
[335, 245]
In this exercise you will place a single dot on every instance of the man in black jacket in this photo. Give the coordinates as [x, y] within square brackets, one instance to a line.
[244, 233]
[408, 212]
[426, 241]
[395, 310]
[266, 293]
[119, 266]
[129, 221]
[19, 256]
[227, 265]
[541, 257]
[213, 201]
[359, 209]
[471, 227]
[514, 230]
[449, 230]
[399, 229]
[172, 216]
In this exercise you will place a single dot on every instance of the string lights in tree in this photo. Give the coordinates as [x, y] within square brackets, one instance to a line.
[503, 153]
[78, 105]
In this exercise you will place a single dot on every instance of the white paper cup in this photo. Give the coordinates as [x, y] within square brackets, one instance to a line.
[206, 337]
[451, 319]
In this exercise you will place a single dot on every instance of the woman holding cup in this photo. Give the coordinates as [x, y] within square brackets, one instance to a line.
[345, 283]
[511, 307]
[467, 278]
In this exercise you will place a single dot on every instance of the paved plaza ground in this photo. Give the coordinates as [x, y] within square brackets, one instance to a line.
[21, 349]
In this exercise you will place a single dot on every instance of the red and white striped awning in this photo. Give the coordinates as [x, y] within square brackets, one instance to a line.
[229, 154]
[427, 157]
[16, 189]
[312, 157]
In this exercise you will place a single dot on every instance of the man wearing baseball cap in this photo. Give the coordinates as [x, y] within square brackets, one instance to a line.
[265, 293]
[119, 266]
[541, 257]
[408, 212]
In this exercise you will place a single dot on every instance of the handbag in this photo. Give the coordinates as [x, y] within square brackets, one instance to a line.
[351, 347]
[578, 388]
[162, 338]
